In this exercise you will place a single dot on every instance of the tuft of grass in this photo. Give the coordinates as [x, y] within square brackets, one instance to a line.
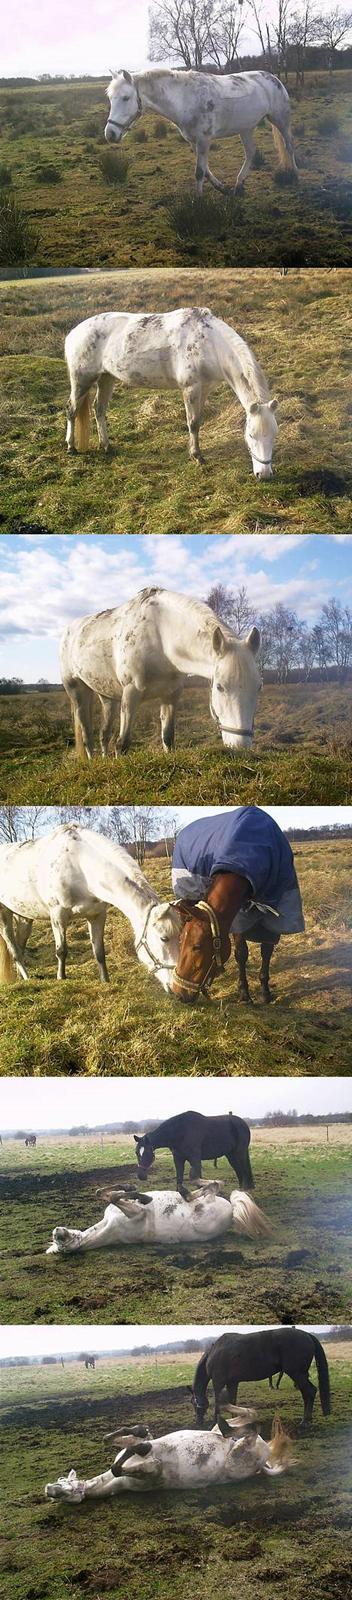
[18, 240]
[140, 136]
[48, 173]
[5, 177]
[114, 166]
[161, 129]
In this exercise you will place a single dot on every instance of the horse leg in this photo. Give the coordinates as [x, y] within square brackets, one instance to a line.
[192, 399]
[109, 711]
[308, 1392]
[79, 393]
[23, 929]
[180, 1167]
[195, 1165]
[250, 148]
[232, 1391]
[129, 703]
[167, 720]
[267, 946]
[96, 927]
[106, 384]
[81, 702]
[10, 941]
[241, 956]
[59, 932]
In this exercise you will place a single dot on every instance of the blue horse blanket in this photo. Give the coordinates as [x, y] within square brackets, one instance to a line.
[248, 841]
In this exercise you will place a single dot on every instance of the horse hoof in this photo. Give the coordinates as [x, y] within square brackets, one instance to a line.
[245, 999]
[266, 997]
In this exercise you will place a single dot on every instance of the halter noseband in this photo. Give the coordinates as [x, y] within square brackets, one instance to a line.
[216, 964]
[244, 733]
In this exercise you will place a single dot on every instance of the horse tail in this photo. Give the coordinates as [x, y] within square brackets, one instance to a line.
[8, 972]
[82, 423]
[323, 1376]
[247, 1217]
[284, 151]
[85, 706]
[79, 741]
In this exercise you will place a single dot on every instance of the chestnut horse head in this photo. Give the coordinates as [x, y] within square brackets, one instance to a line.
[204, 948]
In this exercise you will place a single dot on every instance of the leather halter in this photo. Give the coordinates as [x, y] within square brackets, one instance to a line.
[245, 733]
[142, 944]
[113, 123]
[216, 964]
[261, 463]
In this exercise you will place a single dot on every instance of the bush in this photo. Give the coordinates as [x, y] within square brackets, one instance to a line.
[160, 129]
[203, 216]
[5, 177]
[48, 173]
[114, 166]
[18, 242]
[140, 136]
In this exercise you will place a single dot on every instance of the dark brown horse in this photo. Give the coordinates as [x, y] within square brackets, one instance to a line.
[249, 1357]
[193, 1138]
[205, 944]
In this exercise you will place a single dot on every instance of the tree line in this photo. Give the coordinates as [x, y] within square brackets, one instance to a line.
[288, 646]
[208, 34]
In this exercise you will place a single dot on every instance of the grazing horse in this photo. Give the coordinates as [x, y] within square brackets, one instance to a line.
[194, 1138]
[234, 873]
[31, 1139]
[249, 1357]
[189, 349]
[186, 1459]
[204, 107]
[153, 646]
[73, 873]
[89, 1361]
[163, 1217]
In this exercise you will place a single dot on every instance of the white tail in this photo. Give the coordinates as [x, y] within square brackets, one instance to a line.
[82, 424]
[247, 1217]
[8, 972]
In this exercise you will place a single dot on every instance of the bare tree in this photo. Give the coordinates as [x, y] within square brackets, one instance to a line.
[336, 624]
[18, 823]
[330, 30]
[133, 825]
[194, 33]
[232, 606]
[286, 633]
[300, 33]
[225, 27]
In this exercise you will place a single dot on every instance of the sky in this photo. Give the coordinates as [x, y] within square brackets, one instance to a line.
[43, 1105]
[164, 817]
[32, 1341]
[96, 38]
[46, 582]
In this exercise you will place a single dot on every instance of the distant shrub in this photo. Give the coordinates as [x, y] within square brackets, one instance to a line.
[203, 216]
[5, 177]
[160, 129]
[114, 166]
[91, 129]
[18, 242]
[48, 173]
[140, 136]
[328, 124]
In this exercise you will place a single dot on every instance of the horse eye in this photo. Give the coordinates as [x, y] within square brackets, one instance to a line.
[220, 688]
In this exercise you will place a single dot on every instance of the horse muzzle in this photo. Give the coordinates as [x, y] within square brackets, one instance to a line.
[112, 134]
[262, 469]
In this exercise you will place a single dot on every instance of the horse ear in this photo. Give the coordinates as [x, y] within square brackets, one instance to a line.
[137, 1137]
[273, 404]
[253, 641]
[254, 408]
[220, 644]
[186, 908]
[127, 75]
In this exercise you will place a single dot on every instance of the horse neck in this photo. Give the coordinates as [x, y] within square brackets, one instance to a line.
[121, 883]
[242, 370]
[160, 91]
[226, 896]
[190, 639]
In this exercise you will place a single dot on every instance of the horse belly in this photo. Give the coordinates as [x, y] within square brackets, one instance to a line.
[145, 360]
[22, 897]
[241, 110]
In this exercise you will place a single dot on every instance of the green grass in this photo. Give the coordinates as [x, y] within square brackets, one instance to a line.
[302, 752]
[298, 327]
[257, 1538]
[133, 1027]
[87, 224]
[301, 1272]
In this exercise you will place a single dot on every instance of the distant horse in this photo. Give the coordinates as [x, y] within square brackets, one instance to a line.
[204, 107]
[152, 647]
[74, 872]
[31, 1139]
[234, 872]
[186, 1459]
[249, 1357]
[189, 349]
[89, 1361]
[194, 1138]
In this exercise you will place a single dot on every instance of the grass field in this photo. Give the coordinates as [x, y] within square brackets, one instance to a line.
[134, 1028]
[259, 1537]
[300, 329]
[301, 1272]
[302, 752]
[147, 215]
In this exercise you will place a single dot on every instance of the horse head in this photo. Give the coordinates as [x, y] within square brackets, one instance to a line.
[235, 685]
[157, 945]
[260, 435]
[144, 1153]
[204, 948]
[125, 106]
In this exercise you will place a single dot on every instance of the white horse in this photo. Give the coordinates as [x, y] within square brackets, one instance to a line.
[189, 349]
[187, 1459]
[73, 873]
[161, 1216]
[152, 646]
[204, 107]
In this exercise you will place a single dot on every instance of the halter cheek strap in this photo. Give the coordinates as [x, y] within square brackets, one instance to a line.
[142, 944]
[113, 123]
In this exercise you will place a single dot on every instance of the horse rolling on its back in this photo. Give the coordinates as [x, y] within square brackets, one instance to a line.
[250, 1357]
[205, 107]
[189, 349]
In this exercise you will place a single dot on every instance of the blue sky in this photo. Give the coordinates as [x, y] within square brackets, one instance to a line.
[45, 582]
